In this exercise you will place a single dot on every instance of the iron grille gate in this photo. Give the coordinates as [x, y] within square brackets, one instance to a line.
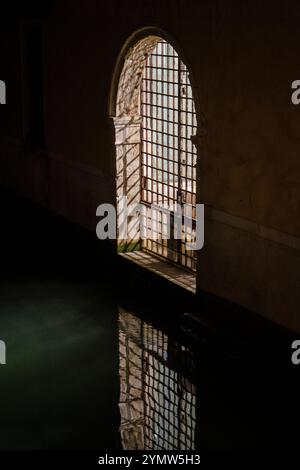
[168, 156]
[169, 397]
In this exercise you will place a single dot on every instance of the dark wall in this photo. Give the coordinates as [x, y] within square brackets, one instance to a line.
[243, 56]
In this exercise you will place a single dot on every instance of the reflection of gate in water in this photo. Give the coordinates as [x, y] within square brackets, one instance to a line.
[157, 402]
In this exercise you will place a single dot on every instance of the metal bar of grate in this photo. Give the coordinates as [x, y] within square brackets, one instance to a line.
[168, 156]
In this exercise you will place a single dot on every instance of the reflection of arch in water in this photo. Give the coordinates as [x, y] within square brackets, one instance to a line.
[157, 401]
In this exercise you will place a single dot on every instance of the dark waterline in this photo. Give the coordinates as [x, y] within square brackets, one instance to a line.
[101, 356]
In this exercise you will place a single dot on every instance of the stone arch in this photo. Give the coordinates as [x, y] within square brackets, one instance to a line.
[124, 109]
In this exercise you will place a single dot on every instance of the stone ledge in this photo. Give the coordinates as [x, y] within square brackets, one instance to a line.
[169, 271]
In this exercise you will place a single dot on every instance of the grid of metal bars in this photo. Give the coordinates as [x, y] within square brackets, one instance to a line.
[170, 407]
[157, 390]
[168, 156]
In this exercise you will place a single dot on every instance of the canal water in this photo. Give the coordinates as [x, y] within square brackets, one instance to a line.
[101, 356]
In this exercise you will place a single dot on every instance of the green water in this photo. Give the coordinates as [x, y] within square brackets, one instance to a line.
[101, 356]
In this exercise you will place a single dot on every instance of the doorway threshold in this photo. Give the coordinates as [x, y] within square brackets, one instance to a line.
[175, 274]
